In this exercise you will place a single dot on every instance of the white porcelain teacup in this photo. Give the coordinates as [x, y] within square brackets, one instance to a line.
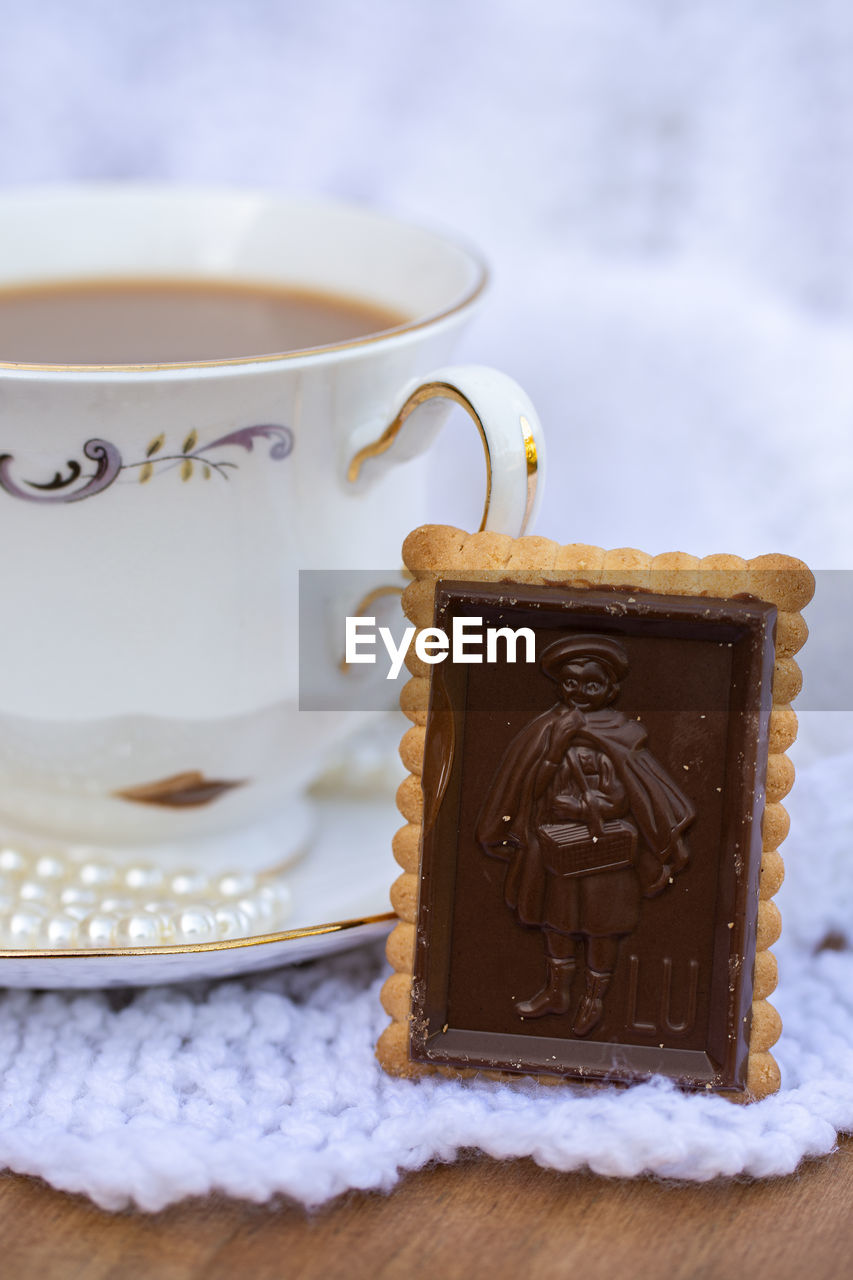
[148, 705]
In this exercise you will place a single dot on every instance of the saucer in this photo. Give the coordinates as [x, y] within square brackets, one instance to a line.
[339, 893]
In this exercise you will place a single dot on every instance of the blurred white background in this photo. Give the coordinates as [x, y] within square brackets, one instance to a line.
[664, 190]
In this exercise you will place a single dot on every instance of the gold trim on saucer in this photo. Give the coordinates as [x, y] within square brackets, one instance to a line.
[229, 944]
[443, 391]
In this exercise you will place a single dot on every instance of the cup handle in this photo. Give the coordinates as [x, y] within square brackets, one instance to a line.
[509, 429]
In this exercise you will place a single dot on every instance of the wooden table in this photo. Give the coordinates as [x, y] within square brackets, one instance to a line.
[474, 1219]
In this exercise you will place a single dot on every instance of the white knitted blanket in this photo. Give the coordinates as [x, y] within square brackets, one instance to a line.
[665, 192]
[269, 1085]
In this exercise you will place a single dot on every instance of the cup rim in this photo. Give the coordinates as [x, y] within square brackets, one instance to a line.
[272, 198]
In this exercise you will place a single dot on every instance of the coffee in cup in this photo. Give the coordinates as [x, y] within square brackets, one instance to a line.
[158, 498]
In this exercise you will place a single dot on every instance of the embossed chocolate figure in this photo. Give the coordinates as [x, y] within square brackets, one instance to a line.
[589, 823]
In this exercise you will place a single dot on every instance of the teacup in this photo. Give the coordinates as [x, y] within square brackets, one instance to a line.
[149, 649]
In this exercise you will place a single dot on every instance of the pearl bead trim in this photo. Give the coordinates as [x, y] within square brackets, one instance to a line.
[62, 901]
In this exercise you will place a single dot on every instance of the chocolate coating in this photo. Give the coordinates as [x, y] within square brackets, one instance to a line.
[592, 837]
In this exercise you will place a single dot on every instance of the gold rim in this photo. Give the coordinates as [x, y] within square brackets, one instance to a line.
[378, 593]
[230, 944]
[442, 391]
[532, 469]
[384, 335]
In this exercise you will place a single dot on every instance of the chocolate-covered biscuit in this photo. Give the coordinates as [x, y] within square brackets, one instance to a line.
[585, 890]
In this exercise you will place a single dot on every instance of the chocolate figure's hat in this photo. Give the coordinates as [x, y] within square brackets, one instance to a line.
[590, 648]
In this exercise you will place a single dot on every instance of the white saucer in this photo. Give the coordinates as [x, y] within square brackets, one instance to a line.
[340, 899]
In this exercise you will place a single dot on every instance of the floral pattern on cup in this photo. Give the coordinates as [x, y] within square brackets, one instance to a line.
[191, 459]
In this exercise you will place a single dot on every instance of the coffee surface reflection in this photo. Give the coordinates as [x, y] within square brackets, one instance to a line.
[175, 321]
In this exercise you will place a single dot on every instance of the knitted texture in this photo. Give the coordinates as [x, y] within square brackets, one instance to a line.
[667, 204]
[269, 1086]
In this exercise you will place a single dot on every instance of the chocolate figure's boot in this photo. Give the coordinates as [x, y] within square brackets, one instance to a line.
[555, 996]
[591, 1008]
